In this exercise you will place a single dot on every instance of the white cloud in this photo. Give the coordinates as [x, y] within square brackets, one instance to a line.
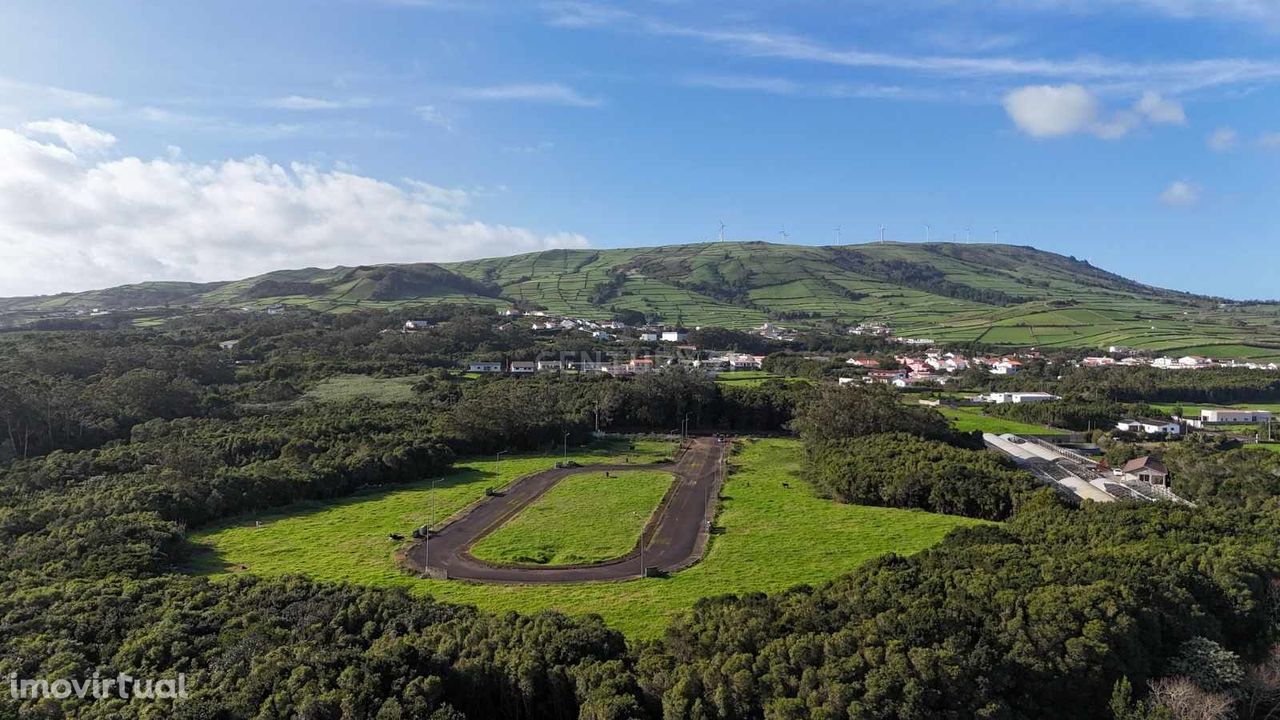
[432, 116]
[1222, 139]
[1160, 110]
[1045, 111]
[78, 137]
[548, 93]
[1052, 111]
[1269, 141]
[72, 222]
[1172, 76]
[1180, 193]
[1247, 10]
[306, 103]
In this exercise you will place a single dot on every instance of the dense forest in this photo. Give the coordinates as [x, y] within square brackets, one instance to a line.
[118, 442]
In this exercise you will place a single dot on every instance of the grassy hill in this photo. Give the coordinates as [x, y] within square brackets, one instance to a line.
[996, 294]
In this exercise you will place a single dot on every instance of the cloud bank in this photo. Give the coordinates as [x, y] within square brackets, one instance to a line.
[71, 219]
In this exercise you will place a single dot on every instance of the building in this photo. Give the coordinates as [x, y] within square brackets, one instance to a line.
[745, 362]
[1006, 367]
[485, 367]
[648, 337]
[1150, 426]
[674, 336]
[228, 344]
[550, 365]
[1227, 415]
[1148, 470]
[1001, 398]
[416, 325]
[524, 368]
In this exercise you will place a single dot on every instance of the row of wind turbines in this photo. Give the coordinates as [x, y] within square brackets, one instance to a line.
[928, 233]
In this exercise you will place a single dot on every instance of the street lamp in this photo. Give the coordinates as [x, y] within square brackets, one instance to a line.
[430, 521]
[642, 528]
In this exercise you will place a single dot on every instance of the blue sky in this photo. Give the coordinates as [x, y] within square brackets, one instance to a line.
[215, 140]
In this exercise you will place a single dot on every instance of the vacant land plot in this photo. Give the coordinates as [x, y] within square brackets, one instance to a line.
[773, 533]
[364, 387]
[966, 419]
[585, 518]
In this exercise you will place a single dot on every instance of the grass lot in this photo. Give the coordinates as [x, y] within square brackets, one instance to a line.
[359, 387]
[746, 377]
[771, 537]
[1193, 409]
[965, 419]
[585, 518]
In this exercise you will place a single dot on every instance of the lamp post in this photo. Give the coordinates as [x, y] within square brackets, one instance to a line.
[430, 521]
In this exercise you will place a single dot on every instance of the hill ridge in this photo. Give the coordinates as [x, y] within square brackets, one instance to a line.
[964, 292]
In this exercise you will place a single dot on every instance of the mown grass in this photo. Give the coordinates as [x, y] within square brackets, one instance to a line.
[769, 537]
[585, 518]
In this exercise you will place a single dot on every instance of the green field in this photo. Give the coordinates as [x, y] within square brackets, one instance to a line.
[585, 518]
[1193, 409]
[361, 387]
[770, 537]
[966, 419]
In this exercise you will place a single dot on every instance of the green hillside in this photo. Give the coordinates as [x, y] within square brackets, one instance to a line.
[995, 294]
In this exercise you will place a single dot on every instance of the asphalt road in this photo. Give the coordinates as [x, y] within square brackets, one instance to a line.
[673, 539]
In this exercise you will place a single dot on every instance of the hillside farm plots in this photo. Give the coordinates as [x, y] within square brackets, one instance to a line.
[766, 526]
[994, 294]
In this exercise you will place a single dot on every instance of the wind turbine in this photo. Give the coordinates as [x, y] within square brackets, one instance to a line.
[928, 232]
[882, 233]
[968, 233]
[997, 236]
[784, 235]
[722, 226]
[837, 234]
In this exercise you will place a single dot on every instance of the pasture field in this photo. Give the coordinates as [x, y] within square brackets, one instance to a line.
[585, 518]
[966, 419]
[772, 533]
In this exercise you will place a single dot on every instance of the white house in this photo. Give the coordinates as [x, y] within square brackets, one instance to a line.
[550, 366]
[674, 336]
[524, 368]
[1149, 426]
[485, 367]
[416, 325]
[1001, 398]
[1006, 367]
[1234, 416]
[648, 337]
